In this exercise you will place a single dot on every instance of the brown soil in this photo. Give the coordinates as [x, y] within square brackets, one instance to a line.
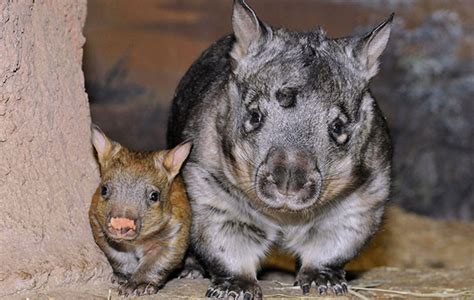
[381, 283]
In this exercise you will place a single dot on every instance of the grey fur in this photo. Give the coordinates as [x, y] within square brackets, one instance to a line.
[270, 97]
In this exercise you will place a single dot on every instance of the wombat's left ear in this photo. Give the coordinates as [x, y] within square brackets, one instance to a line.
[174, 158]
[370, 47]
[249, 31]
[104, 147]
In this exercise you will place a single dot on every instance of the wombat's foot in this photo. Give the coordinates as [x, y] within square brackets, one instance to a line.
[137, 289]
[118, 279]
[327, 279]
[235, 288]
[192, 269]
[191, 273]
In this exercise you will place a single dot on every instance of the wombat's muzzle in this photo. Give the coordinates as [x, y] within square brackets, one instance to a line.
[122, 228]
[288, 179]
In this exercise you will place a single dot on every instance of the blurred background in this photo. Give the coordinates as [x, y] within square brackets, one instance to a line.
[137, 51]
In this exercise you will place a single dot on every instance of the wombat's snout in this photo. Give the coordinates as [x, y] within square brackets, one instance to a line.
[121, 227]
[288, 178]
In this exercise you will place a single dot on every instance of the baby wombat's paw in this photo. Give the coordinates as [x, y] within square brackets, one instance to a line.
[137, 289]
[327, 280]
[118, 279]
[236, 288]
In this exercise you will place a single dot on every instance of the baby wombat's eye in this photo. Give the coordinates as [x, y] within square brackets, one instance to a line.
[154, 196]
[104, 191]
[338, 132]
[253, 121]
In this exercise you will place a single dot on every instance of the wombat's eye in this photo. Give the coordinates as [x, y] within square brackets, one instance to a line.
[337, 127]
[154, 196]
[253, 121]
[104, 191]
[338, 132]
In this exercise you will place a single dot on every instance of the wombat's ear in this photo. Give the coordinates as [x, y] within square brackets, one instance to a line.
[249, 31]
[174, 158]
[104, 147]
[370, 47]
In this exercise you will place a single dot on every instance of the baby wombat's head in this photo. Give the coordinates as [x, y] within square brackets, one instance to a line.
[132, 200]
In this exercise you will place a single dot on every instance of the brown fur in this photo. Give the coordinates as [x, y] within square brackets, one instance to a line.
[141, 265]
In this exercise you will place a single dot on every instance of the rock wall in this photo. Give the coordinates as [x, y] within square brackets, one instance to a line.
[47, 169]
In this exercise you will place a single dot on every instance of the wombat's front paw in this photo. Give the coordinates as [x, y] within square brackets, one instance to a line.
[192, 269]
[137, 289]
[118, 279]
[327, 279]
[191, 273]
[236, 288]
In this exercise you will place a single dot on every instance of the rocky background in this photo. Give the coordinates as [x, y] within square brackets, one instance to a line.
[136, 54]
[47, 168]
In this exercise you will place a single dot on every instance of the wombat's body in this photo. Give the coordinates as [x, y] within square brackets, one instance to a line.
[290, 149]
[140, 215]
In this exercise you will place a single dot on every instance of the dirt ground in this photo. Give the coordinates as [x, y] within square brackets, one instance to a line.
[380, 283]
[426, 258]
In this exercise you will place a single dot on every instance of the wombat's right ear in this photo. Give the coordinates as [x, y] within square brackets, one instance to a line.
[174, 158]
[104, 147]
[249, 31]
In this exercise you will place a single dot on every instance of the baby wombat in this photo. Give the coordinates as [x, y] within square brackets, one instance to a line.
[140, 216]
[290, 150]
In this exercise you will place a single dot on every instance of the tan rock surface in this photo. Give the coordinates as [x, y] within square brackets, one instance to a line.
[47, 169]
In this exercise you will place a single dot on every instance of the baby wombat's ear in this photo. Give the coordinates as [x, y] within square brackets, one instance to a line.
[104, 147]
[249, 31]
[174, 158]
[370, 47]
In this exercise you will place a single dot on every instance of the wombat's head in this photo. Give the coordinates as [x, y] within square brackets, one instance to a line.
[302, 112]
[135, 187]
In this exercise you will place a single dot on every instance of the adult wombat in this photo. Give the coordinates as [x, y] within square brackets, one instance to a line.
[290, 149]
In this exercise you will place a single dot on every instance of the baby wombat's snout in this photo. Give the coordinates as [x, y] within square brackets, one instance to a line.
[288, 178]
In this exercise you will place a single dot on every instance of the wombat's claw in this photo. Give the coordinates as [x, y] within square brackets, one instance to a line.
[141, 289]
[191, 274]
[234, 289]
[327, 280]
[118, 279]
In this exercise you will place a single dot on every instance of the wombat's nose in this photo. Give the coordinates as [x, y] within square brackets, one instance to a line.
[121, 227]
[121, 224]
[289, 171]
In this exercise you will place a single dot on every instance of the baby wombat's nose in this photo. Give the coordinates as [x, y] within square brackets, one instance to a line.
[289, 170]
